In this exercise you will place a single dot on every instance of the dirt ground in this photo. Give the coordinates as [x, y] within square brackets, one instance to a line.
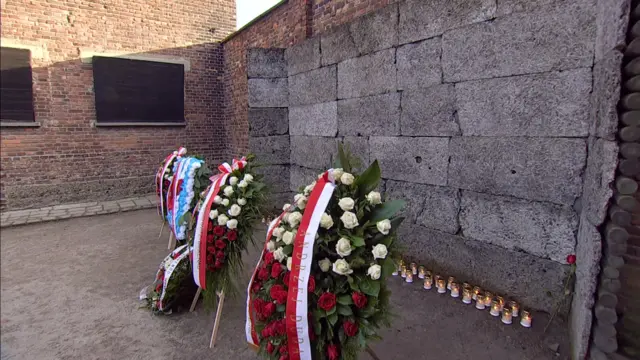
[69, 291]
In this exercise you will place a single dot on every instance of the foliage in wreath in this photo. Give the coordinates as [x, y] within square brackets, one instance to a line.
[348, 300]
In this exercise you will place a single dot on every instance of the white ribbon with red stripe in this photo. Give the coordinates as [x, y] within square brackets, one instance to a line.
[160, 177]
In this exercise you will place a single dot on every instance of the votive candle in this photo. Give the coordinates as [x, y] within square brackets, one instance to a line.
[403, 271]
[495, 308]
[515, 308]
[507, 316]
[488, 296]
[466, 285]
[480, 301]
[466, 296]
[451, 279]
[414, 268]
[476, 290]
[455, 290]
[421, 272]
[500, 301]
[409, 277]
[428, 283]
[525, 319]
[441, 286]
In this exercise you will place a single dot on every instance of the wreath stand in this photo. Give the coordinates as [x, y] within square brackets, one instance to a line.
[216, 321]
[172, 239]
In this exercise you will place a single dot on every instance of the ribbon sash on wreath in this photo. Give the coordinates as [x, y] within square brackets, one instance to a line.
[160, 178]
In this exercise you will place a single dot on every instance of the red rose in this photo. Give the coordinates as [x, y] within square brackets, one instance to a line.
[285, 278]
[278, 293]
[571, 259]
[327, 301]
[159, 288]
[284, 357]
[209, 258]
[210, 226]
[359, 299]
[212, 249]
[210, 238]
[270, 347]
[256, 286]
[350, 328]
[333, 352]
[268, 258]
[268, 309]
[284, 349]
[232, 235]
[218, 264]
[266, 332]
[312, 284]
[275, 289]
[276, 270]
[220, 244]
[167, 183]
[220, 255]
[263, 274]
[218, 231]
[258, 304]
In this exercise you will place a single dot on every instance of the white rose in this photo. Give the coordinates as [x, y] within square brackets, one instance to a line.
[232, 224]
[242, 201]
[234, 210]
[337, 173]
[277, 232]
[289, 264]
[349, 219]
[326, 221]
[325, 264]
[248, 178]
[271, 246]
[213, 214]
[343, 247]
[379, 251]
[286, 206]
[225, 202]
[346, 203]
[374, 271]
[341, 267]
[347, 179]
[228, 191]
[222, 220]
[243, 184]
[233, 180]
[166, 176]
[374, 198]
[384, 226]
[294, 218]
[217, 200]
[301, 201]
[279, 255]
[287, 237]
[309, 188]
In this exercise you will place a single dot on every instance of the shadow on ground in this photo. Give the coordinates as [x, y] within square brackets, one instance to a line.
[69, 291]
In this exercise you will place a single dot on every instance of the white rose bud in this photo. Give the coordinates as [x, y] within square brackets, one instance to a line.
[228, 191]
[301, 201]
[346, 203]
[343, 247]
[242, 201]
[374, 271]
[326, 221]
[271, 245]
[349, 219]
[337, 173]
[309, 188]
[234, 210]
[289, 264]
[294, 218]
[341, 267]
[233, 180]
[232, 224]
[248, 178]
[225, 202]
[325, 264]
[217, 200]
[374, 198]
[286, 206]
[213, 214]
[222, 220]
[379, 251]
[287, 237]
[279, 255]
[347, 179]
[243, 184]
[384, 226]
[277, 232]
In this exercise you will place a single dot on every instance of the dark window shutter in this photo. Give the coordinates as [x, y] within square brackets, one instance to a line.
[138, 91]
[16, 89]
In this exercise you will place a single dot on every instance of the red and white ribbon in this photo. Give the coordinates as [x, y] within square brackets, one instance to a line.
[160, 178]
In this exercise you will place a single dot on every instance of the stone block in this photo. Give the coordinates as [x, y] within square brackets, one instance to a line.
[301, 176]
[268, 121]
[612, 20]
[371, 115]
[337, 45]
[266, 63]
[521, 43]
[315, 119]
[367, 75]
[548, 105]
[598, 177]
[268, 93]
[303, 57]
[313, 151]
[270, 150]
[542, 229]
[605, 95]
[423, 19]
[429, 112]
[359, 147]
[520, 275]
[434, 207]
[313, 87]
[419, 64]
[419, 159]
[376, 31]
[276, 177]
[512, 6]
[529, 168]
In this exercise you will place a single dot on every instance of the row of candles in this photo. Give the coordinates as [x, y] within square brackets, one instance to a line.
[483, 299]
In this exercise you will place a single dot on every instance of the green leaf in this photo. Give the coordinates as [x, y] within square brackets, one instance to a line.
[281, 308]
[357, 241]
[319, 314]
[361, 340]
[333, 319]
[345, 300]
[288, 250]
[356, 263]
[370, 287]
[388, 266]
[395, 223]
[354, 285]
[386, 210]
[341, 335]
[332, 311]
[369, 179]
[345, 310]
[342, 161]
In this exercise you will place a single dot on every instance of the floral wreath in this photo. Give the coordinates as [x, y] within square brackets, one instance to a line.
[163, 179]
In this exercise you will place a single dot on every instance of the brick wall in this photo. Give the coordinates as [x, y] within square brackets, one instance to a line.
[67, 158]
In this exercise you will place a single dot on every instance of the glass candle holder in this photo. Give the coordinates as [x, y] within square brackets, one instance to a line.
[480, 301]
[441, 286]
[451, 279]
[428, 283]
[488, 296]
[495, 308]
[421, 272]
[500, 301]
[397, 270]
[403, 271]
[409, 277]
[466, 285]
[466, 296]
[436, 278]
[455, 290]
[507, 316]
[414, 268]
[525, 319]
[428, 273]
[474, 293]
[515, 308]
